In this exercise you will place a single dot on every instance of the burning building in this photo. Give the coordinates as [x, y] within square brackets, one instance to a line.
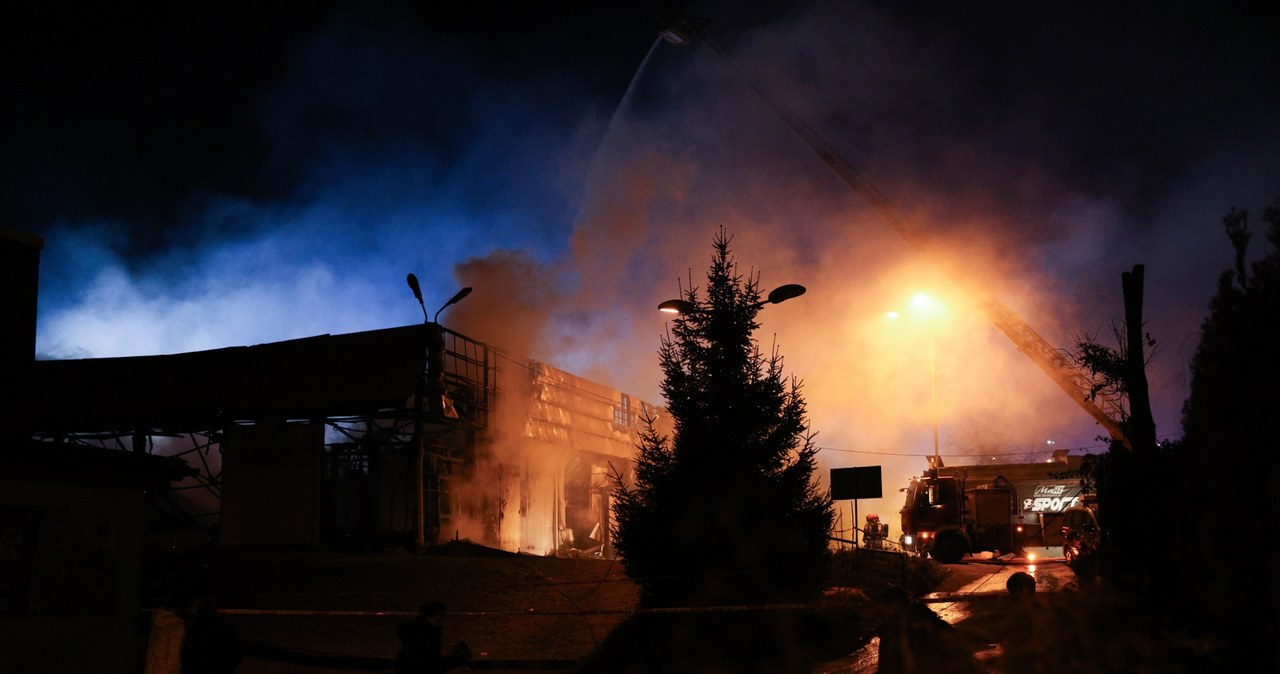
[409, 435]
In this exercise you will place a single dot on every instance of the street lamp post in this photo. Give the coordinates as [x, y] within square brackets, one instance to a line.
[432, 390]
[926, 305]
[933, 394]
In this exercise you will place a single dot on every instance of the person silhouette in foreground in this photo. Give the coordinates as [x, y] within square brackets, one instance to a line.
[210, 645]
[913, 638]
[1042, 635]
[422, 643]
[1022, 615]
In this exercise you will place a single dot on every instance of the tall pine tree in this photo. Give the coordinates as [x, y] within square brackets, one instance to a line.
[727, 509]
[1230, 455]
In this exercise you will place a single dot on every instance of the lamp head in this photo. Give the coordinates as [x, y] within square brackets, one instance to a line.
[452, 300]
[785, 292]
[417, 292]
[677, 307]
[458, 296]
[413, 285]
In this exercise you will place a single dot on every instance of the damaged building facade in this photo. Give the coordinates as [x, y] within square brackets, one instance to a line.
[413, 435]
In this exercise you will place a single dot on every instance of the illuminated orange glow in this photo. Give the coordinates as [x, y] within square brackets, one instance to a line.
[641, 238]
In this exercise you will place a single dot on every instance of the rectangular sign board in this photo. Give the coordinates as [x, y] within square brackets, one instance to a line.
[1052, 498]
[855, 483]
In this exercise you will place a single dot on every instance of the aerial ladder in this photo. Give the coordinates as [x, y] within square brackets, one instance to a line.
[1052, 361]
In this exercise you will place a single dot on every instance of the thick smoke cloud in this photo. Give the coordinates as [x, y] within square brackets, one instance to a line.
[1042, 154]
[1042, 186]
[394, 160]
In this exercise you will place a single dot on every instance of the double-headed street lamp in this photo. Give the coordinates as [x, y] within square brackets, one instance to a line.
[432, 389]
[777, 295]
[412, 280]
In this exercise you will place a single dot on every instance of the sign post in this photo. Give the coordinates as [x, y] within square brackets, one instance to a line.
[855, 483]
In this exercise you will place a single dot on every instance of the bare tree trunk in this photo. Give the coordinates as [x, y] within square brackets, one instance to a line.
[1142, 426]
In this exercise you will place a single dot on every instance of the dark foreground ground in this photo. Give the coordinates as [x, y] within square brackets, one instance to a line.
[335, 610]
[322, 613]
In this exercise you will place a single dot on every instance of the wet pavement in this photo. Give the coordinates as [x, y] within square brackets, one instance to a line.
[974, 592]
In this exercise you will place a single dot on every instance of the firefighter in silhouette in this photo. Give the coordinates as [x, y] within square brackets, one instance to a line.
[874, 533]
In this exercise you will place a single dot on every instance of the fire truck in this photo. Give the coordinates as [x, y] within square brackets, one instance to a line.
[997, 508]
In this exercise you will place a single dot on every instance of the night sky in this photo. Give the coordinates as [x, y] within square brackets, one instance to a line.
[220, 176]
